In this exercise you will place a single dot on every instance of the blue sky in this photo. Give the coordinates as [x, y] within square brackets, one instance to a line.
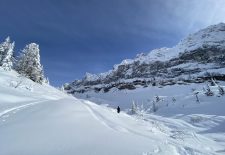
[78, 36]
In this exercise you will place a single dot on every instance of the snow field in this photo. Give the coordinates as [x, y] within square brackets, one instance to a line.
[43, 120]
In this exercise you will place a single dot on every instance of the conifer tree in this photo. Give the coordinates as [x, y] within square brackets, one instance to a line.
[6, 54]
[134, 108]
[29, 63]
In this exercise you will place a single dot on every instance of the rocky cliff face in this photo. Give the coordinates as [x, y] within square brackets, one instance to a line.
[199, 57]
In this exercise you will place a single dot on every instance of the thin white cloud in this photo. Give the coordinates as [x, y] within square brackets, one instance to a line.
[196, 14]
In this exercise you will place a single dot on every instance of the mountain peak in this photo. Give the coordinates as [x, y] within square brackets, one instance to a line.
[189, 60]
[213, 35]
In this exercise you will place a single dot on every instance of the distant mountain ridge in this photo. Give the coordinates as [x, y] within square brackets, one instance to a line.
[197, 58]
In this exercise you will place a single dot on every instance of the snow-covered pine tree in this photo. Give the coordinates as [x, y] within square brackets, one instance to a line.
[134, 108]
[29, 63]
[154, 107]
[6, 54]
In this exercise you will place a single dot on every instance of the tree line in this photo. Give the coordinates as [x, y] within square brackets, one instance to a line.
[26, 64]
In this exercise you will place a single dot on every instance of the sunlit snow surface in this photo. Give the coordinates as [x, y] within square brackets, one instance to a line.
[40, 120]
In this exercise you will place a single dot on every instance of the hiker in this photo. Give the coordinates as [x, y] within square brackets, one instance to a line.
[118, 109]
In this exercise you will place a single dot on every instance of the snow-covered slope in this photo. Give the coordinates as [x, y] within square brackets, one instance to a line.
[68, 126]
[37, 119]
[177, 110]
[16, 90]
[202, 54]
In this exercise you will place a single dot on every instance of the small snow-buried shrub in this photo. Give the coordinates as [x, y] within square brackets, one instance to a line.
[174, 99]
[157, 99]
[196, 119]
[221, 90]
[15, 84]
[155, 103]
[208, 91]
[21, 83]
[196, 96]
[213, 82]
[154, 107]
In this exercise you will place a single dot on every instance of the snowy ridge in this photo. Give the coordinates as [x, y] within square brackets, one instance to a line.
[213, 35]
[205, 50]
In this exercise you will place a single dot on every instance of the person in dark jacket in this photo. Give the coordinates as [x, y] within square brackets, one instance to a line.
[118, 109]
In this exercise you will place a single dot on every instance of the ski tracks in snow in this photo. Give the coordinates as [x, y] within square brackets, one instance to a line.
[103, 120]
[166, 146]
[6, 113]
[111, 124]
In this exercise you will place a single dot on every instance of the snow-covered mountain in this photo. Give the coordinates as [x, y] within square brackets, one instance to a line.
[195, 59]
